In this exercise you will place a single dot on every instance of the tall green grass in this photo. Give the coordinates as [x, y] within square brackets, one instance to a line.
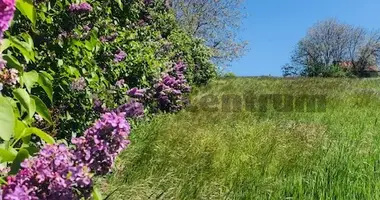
[259, 155]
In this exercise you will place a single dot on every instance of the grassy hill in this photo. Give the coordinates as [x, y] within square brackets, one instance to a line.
[243, 154]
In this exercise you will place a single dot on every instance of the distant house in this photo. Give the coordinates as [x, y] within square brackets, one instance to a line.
[370, 71]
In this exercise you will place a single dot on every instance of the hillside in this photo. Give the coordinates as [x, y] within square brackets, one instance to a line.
[332, 154]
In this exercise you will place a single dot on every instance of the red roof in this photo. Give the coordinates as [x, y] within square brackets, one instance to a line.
[349, 65]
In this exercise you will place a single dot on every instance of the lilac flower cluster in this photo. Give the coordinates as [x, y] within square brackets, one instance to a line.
[132, 109]
[120, 83]
[109, 38]
[169, 92]
[137, 93]
[7, 9]
[87, 28]
[79, 84]
[83, 7]
[7, 76]
[99, 106]
[119, 56]
[102, 142]
[52, 174]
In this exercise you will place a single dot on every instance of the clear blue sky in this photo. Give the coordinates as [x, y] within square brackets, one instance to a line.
[273, 28]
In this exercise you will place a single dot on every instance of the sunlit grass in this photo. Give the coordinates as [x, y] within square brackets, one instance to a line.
[254, 155]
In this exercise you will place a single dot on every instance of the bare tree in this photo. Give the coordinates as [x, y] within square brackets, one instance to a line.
[329, 42]
[215, 21]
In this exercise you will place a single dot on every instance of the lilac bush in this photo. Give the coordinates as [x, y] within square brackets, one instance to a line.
[7, 9]
[52, 174]
[102, 142]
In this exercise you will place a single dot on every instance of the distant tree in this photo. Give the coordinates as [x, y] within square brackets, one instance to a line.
[330, 43]
[217, 22]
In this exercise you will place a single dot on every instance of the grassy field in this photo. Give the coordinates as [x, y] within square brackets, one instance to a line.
[259, 155]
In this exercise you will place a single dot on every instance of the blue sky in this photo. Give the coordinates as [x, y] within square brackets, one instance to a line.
[273, 28]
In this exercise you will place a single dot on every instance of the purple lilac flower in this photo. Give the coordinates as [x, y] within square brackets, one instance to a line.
[170, 89]
[169, 92]
[136, 93]
[7, 9]
[132, 109]
[141, 22]
[2, 63]
[52, 174]
[99, 106]
[63, 35]
[86, 28]
[4, 171]
[97, 103]
[102, 142]
[83, 7]
[79, 84]
[8, 76]
[119, 56]
[109, 38]
[13, 77]
[38, 117]
[120, 83]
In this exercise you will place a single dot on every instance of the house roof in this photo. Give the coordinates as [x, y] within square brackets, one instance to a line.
[348, 65]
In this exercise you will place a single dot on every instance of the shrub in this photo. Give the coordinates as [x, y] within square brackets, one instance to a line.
[97, 50]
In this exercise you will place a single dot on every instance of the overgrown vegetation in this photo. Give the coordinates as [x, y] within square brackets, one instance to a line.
[259, 155]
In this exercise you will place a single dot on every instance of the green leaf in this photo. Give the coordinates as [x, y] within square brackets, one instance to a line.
[6, 155]
[45, 83]
[30, 78]
[72, 71]
[27, 9]
[24, 47]
[40, 133]
[23, 97]
[21, 156]
[42, 109]
[19, 129]
[28, 39]
[2, 181]
[60, 62]
[47, 75]
[96, 194]
[7, 119]
[120, 4]
[5, 44]
[13, 62]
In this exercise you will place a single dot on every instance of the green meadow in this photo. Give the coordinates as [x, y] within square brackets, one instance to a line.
[245, 154]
